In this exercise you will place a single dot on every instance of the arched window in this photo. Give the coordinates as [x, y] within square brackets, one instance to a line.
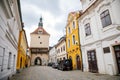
[73, 24]
[73, 39]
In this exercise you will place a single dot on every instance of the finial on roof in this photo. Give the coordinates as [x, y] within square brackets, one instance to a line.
[40, 23]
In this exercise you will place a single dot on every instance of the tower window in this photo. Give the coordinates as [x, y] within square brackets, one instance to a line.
[38, 36]
[40, 42]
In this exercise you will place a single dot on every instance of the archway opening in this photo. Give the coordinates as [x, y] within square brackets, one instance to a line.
[38, 61]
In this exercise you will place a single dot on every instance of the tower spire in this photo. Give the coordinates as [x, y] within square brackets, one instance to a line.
[40, 23]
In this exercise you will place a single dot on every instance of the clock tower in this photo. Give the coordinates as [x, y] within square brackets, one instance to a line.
[39, 45]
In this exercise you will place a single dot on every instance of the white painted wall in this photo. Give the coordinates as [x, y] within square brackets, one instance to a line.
[100, 37]
[53, 55]
[62, 53]
[10, 26]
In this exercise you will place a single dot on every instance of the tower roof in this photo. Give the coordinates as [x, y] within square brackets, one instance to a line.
[40, 29]
[40, 24]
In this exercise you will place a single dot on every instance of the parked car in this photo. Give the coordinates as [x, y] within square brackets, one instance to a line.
[50, 63]
[55, 65]
[65, 65]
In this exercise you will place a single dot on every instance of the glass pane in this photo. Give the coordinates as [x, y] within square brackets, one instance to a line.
[106, 12]
[103, 22]
[108, 20]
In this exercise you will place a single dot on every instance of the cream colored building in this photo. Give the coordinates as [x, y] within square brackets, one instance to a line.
[61, 49]
[39, 45]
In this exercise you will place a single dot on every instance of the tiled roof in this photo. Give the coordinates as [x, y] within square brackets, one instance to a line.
[40, 28]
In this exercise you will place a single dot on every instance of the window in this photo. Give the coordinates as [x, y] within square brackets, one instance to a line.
[64, 48]
[73, 24]
[63, 58]
[61, 49]
[68, 43]
[9, 60]
[69, 30]
[87, 29]
[105, 18]
[14, 62]
[38, 36]
[2, 50]
[58, 51]
[73, 39]
[40, 31]
[106, 50]
[40, 42]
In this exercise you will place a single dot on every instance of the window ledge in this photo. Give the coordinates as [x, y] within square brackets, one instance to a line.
[88, 37]
[108, 28]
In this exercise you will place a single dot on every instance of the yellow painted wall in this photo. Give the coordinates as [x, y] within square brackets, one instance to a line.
[22, 48]
[74, 49]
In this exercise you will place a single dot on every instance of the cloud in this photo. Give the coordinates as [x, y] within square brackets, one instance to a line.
[54, 13]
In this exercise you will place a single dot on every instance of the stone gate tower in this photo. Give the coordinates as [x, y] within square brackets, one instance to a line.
[39, 45]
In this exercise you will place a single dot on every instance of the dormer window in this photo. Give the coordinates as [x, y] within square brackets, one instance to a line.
[40, 31]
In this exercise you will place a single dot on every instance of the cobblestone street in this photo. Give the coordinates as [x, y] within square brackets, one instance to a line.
[48, 73]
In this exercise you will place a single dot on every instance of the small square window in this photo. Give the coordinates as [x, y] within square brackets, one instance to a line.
[40, 42]
[38, 36]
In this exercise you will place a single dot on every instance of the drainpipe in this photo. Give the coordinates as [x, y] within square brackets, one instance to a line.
[80, 45]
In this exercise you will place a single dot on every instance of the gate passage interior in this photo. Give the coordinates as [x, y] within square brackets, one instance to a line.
[38, 61]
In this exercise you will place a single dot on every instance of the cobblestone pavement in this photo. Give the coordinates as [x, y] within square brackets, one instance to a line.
[48, 73]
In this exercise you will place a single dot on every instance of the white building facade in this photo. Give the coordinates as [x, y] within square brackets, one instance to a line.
[99, 30]
[53, 55]
[61, 49]
[10, 25]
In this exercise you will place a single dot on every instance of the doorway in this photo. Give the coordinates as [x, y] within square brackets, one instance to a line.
[38, 61]
[117, 55]
[92, 61]
[78, 62]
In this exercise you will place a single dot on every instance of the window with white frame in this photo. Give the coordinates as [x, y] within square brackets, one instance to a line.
[73, 39]
[9, 60]
[105, 18]
[64, 47]
[73, 24]
[87, 29]
[2, 53]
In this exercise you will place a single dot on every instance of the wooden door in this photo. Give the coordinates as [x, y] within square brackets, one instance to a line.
[117, 55]
[92, 61]
[78, 62]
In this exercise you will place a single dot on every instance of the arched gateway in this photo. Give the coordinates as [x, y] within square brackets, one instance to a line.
[37, 61]
[39, 45]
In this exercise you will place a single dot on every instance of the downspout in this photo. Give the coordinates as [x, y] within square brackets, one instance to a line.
[79, 43]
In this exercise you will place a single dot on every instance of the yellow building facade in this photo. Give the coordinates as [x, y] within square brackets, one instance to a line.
[73, 41]
[22, 50]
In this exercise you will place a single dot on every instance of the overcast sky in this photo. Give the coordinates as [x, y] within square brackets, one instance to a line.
[54, 13]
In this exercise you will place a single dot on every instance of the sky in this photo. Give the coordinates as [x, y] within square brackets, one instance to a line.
[54, 14]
